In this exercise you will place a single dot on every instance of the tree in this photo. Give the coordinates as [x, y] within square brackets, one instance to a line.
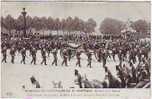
[76, 24]
[69, 24]
[140, 26]
[3, 22]
[37, 24]
[90, 25]
[9, 23]
[44, 22]
[3, 25]
[57, 25]
[63, 25]
[29, 22]
[81, 25]
[50, 23]
[111, 26]
[19, 25]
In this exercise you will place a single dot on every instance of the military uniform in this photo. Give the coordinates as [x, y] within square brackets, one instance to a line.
[89, 59]
[104, 57]
[78, 58]
[43, 56]
[55, 57]
[23, 53]
[99, 55]
[12, 53]
[4, 52]
[65, 56]
[33, 53]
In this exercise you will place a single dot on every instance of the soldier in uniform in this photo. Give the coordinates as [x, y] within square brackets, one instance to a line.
[124, 53]
[79, 78]
[133, 72]
[23, 53]
[43, 53]
[12, 53]
[33, 53]
[4, 52]
[65, 56]
[99, 55]
[132, 56]
[54, 52]
[89, 59]
[104, 57]
[120, 57]
[114, 53]
[48, 48]
[78, 54]
[139, 54]
[69, 54]
[3, 44]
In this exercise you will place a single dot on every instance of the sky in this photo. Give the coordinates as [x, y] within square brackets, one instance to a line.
[96, 10]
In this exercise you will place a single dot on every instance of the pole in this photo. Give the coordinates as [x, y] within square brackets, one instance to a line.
[24, 17]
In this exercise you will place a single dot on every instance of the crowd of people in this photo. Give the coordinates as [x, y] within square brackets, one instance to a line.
[133, 55]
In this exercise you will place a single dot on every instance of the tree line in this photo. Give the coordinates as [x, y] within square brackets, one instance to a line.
[69, 24]
[53, 24]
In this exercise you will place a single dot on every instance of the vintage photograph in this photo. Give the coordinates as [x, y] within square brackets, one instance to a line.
[73, 45]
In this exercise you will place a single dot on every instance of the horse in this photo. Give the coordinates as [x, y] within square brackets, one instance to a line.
[109, 82]
[91, 84]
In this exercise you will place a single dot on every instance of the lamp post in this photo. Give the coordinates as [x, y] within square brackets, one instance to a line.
[24, 16]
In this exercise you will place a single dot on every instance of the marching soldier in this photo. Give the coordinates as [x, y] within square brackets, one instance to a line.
[124, 53]
[99, 55]
[33, 53]
[69, 54]
[104, 57]
[114, 53]
[55, 57]
[4, 52]
[132, 56]
[78, 54]
[120, 57]
[23, 53]
[89, 59]
[48, 48]
[139, 54]
[12, 53]
[43, 53]
[65, 56]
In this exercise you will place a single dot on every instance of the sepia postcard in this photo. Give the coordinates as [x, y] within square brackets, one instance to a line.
[75, 49]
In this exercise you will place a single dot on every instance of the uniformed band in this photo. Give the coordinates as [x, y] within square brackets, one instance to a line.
[134, 52]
